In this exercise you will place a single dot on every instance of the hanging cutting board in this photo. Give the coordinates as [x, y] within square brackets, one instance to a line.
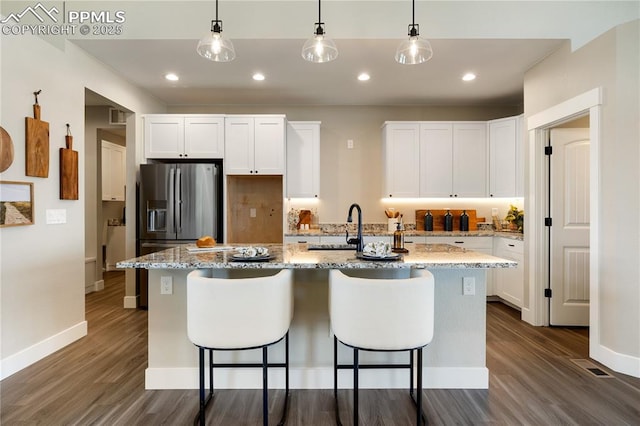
[37, 144]
[6, 150]
[304, 218]
[68, 171]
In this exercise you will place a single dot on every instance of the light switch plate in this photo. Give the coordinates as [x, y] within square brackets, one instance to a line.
[166, 285]
[56, 216]
[468, 286]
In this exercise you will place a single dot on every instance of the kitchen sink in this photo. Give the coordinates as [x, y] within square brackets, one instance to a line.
[330, 246]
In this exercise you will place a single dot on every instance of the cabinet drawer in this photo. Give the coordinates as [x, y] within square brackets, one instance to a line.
[302, 239]
[472, 243]
[508, 245]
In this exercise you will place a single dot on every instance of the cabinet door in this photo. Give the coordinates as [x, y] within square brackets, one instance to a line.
[269, 145]
[401, 152]
[469, 160]
[436, 160]
[510, 281]
[502, 158]
[303, 159]
[164, 136]
[238, 145]
[203, 136]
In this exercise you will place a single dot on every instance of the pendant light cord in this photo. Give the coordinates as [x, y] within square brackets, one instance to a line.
[319, 14]
[216, 10]
[413, 12]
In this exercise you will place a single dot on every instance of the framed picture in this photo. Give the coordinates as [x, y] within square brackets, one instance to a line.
[16, 203]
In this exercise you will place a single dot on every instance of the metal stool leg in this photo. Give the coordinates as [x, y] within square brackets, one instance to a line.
[201, 389]
[285, 409]
[355, 387]
[265, 389]
[419, 388]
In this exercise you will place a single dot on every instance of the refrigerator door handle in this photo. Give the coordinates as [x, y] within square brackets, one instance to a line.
[172, 220]
[178, 208]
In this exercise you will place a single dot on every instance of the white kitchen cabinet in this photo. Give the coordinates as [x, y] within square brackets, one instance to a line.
[436, 159]
[115, 251]
[254, 145]
[506, 174]
[453, 159]
[175, 136]
[303, 159]
[113, 164]
[401, 159]
[302, 239]
[509, 282]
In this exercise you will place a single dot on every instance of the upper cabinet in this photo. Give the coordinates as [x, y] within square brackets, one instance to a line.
[401, 159]
[436, 159]
[303, 159]
[179, 136]
[506, 158]
[113, 171]
[254, 144]
[469, 160]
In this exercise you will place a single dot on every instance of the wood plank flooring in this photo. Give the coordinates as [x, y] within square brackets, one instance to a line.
[99, 380]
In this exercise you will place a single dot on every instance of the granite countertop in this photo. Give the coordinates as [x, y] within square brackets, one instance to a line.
[296, 256]
[413, 233]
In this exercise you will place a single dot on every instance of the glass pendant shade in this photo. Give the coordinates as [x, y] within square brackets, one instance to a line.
[216, 48]
[414, 51]
[319, 48]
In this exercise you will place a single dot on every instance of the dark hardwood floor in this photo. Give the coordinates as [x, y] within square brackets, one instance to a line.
[99, 380]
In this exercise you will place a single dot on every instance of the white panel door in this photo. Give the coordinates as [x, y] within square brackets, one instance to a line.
[436, 160]
[238, 145]
[204, 137]
[570, 227]
[469, 160]
[269, 145]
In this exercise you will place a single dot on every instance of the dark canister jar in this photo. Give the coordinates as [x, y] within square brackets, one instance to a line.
[464, 221]
[448, 221]
[428, 221]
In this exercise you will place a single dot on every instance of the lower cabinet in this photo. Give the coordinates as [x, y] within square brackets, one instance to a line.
[301, 239]
[509, 282]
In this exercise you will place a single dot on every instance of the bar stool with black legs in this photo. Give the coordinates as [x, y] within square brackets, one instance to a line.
[238, 314]
[381, 315]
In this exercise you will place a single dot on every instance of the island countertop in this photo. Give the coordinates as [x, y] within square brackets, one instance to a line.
[297, 256]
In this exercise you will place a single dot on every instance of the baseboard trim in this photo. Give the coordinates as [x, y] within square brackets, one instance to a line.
[26, 357]
[621, 363]
[130, 302]
[318, 378]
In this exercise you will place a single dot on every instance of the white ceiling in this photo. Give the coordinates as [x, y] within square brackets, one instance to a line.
[499, 64]
[498, 40]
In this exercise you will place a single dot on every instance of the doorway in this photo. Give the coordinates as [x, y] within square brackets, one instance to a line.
[568, 200]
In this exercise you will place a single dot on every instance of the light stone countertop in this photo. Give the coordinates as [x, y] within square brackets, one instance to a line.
[413, 233]
[296, 256]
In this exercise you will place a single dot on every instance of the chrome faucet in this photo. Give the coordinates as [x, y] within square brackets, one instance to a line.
[358, 240]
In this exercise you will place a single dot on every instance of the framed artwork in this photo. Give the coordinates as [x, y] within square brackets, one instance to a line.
[16, 203]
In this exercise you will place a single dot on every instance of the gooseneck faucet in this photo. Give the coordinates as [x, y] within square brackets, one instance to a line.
[358, 240]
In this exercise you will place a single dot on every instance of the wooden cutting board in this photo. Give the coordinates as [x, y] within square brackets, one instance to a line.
[6, 150]
[438, 219]
[37, 145]
[68, 171]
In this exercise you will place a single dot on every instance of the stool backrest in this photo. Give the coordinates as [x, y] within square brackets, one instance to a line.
[233, 313]
[382, 314]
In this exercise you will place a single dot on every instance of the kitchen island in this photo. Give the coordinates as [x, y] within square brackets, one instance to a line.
[455, 358]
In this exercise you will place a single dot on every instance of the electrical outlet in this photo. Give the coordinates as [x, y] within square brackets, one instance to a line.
[252, 212]
[468, 286]
[349, 143]
[166, 285]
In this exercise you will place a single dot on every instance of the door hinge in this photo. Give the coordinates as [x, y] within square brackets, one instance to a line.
[547, 292]
[548, 150]
[547, 221]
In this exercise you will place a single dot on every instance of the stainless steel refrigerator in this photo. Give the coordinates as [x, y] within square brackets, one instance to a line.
[177, 204]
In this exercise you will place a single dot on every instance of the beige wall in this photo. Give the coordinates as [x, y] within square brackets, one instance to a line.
[42, 267]
[612, 63]
[355, 175]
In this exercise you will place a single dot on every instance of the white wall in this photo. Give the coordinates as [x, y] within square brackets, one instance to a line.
[612, 63]
[42, 267]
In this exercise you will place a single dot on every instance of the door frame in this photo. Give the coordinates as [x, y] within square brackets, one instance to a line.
[536, 267]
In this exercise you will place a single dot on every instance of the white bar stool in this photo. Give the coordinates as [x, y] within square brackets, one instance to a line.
[381, 315]
[238, 314]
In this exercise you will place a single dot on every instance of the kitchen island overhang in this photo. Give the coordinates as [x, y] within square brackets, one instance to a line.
[455, 358]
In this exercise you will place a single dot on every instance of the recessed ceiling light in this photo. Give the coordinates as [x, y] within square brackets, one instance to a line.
[364, 77]
[172, 77]
[469, 76]
[258, 76]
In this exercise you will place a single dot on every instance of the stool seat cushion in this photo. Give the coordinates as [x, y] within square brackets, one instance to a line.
[382, 314]
[236, 313]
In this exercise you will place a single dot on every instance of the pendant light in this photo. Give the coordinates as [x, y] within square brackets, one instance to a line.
[319, 48]
[213, 46]
[415, 50]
